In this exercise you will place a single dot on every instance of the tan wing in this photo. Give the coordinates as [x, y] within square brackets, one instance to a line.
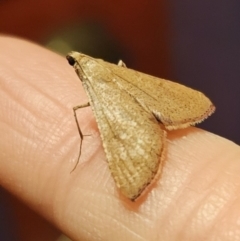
[175, 105]
[132, 138]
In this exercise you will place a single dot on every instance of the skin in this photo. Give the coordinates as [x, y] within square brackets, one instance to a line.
[196, 196]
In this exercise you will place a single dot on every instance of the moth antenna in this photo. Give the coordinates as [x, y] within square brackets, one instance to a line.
[122, 64]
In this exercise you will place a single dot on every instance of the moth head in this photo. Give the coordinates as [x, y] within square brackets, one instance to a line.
[71, 60]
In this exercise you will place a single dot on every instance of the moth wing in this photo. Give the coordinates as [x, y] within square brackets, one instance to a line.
[132, 138]
[175, 105]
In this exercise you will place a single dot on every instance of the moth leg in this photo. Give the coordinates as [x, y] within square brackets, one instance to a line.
[122, 64]
[79, 130]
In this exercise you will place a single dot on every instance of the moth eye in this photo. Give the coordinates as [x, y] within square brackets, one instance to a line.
[70, 60]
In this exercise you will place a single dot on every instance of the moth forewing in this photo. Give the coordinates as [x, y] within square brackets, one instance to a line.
[128, 106]
[175, 105]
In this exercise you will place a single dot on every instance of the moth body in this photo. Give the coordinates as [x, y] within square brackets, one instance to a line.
[128, 106]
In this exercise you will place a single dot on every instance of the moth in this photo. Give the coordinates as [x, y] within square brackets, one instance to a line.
[131, 109]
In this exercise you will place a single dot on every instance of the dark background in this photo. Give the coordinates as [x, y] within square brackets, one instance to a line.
[196, 43]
